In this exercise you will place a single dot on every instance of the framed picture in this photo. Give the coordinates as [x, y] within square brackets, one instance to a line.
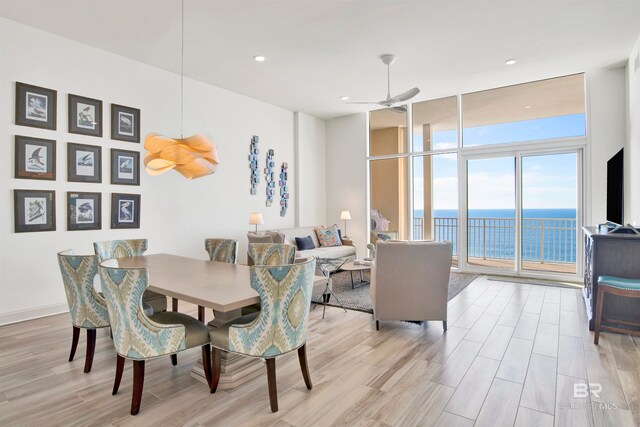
[84, 211]
[85, 116]
[34, 210]
[125, 167]
[125, 210]
[125, 123]
[84, 163]
[35, 158]
[35, 106]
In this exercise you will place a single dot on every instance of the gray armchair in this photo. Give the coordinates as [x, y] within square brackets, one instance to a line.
[410, 281]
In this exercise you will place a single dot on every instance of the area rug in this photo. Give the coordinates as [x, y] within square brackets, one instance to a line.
[360, 299]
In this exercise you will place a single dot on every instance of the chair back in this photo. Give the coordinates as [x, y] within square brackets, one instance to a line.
[410, 280]
[222, 250]
[271, 254]
[119, 248]
[135, 336]
[87, 308]
[285, 299]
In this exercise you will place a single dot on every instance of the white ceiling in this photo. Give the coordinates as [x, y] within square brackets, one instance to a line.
[318, 51]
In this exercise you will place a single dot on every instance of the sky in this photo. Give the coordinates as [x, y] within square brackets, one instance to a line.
[549, 181]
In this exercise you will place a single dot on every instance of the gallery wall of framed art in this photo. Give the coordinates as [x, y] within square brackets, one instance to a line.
[36, 159]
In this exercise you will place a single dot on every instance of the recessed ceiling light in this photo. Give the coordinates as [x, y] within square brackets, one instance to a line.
[510, 61]
[526, 107]
[344, 98]
[259, 58]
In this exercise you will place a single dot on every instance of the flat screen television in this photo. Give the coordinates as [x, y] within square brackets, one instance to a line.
[615, 188]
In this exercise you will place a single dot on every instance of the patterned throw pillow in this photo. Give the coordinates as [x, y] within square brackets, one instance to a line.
[328, 236]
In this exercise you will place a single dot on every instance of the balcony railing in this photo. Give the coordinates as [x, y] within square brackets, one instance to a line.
[544, 240]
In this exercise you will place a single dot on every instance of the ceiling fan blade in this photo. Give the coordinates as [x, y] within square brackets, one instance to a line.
[404, 96]
[400, 109]
[364, 102]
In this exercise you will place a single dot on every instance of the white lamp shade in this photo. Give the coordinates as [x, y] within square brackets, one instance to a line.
[256, 219]
[345, 215]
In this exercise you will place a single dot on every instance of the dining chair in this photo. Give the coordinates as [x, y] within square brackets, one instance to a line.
[139, 337]
[271, 254]
[87, 307]
[222, 250]
[281, 325]
[128, 248]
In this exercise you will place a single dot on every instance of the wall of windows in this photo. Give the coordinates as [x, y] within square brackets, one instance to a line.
[497, 172]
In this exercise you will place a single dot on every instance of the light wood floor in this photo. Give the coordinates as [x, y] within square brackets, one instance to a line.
[511, 356]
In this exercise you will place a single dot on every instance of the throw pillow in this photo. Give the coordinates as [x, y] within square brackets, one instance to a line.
[305, 243]
[328, 236]
[275, 235]
[259, 238]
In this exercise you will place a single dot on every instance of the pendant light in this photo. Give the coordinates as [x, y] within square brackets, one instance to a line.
[195, 156]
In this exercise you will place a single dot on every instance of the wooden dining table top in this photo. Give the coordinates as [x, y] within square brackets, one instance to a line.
[218, 285]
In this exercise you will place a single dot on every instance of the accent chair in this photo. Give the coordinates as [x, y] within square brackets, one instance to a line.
[410, 281]
[139, 337]
[281, 325]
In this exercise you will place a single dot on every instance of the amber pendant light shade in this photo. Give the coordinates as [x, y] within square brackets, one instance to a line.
[194, 157]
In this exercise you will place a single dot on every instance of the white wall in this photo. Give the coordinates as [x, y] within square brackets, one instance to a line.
[176, 214]
[606, 118]
[632, 150]
[347, 176]
[310, 137]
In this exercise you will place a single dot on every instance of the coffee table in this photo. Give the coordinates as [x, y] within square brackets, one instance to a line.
[351, 266]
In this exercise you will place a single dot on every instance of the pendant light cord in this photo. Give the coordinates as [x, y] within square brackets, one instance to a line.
[182, 70]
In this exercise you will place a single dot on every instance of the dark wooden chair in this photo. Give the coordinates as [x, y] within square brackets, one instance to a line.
[628, 288]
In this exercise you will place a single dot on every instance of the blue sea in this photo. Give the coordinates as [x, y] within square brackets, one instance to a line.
[549, 235]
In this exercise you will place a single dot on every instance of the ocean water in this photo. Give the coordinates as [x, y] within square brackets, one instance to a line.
[549, 235]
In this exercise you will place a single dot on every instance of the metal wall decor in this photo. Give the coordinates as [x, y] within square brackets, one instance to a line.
[254, 151]
[269, 177]
[284, 188]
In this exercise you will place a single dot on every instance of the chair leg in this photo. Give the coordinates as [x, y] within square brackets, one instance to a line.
[302, 357]
[174, 359]
[138, 384]
[206, 362]
[216, 366]
[91, 348]
[377, 325]
[271, 381]
[201, 313]
[596, 337]
[174, 304]
[444, 325]
[119, 369]
[74, 342]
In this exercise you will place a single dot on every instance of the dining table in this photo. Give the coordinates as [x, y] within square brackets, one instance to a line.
[223, 287]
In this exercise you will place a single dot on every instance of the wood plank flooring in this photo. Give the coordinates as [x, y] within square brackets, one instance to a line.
[512, 356]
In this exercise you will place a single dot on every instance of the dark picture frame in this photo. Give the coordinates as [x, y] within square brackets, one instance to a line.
[125, 167]
[125, 210]
[34, 210]
[36, 106]
[125, 123]
[84, 163]
[84, 211]
[85, 115]
[35, 158]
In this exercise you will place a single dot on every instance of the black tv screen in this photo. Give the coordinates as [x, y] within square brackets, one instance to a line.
[615, 188]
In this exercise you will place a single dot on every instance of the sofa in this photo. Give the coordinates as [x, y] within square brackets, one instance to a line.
[288, 235]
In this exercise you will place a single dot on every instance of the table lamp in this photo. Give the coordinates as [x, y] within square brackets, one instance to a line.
[256, 219]
[345, 215]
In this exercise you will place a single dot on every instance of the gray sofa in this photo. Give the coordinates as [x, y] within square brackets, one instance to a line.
[346, 250]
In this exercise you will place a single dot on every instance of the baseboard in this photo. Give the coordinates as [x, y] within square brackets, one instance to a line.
[32, 313]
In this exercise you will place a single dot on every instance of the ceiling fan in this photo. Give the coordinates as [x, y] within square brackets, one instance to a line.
[389, 102]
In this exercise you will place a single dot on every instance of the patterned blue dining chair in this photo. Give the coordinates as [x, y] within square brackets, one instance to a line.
[281, 325]
[139, 337]
[127, 248]
[87, 307]
[271, 254]
[222, 250]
